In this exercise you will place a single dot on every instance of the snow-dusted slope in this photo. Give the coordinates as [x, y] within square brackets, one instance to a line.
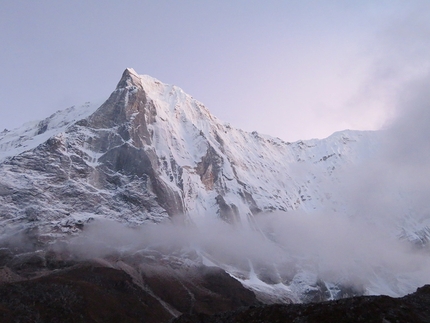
[32, 134]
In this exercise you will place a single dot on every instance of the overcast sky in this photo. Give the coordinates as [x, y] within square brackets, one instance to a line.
[291, 69]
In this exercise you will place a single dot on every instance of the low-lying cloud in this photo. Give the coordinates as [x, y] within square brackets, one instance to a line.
[337, 249]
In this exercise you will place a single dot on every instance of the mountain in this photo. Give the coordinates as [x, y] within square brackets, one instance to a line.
[152, 152]
[152, 185]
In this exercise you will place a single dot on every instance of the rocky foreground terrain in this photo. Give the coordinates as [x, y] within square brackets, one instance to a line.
[49, 287]
[59, 286]
[55, 283]
[369, 309]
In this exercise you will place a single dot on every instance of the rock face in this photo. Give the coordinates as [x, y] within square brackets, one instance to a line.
[151, 152]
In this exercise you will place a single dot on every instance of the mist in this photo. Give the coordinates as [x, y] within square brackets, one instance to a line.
[335, 248]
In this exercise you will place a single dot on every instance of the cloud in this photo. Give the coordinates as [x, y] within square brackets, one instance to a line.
[334, 247]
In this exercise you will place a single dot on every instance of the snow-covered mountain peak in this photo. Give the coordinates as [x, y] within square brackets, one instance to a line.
[151, 153]
[131, 70]
[132, 81]
[129, 78]
[168, 98]
[155, 135]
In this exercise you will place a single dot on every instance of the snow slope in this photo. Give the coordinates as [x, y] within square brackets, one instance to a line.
[32, 134]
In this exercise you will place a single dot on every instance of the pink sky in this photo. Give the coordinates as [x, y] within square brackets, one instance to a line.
[291, 69]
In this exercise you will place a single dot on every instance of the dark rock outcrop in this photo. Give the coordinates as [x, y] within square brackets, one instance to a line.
[49, 286]
[82, 294]
[367, 309]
